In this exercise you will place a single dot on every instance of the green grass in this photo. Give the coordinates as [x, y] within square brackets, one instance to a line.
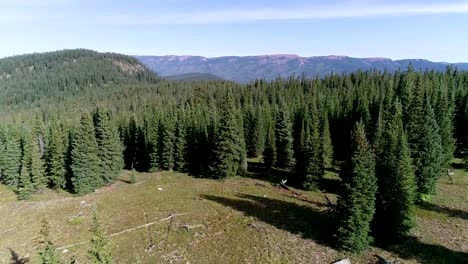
[238, 220]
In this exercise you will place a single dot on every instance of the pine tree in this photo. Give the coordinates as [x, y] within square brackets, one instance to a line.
[283, 140]
[327, 147]
[406, 94]
[428, 156]
[269, 153]
[12, 159]
[415, 116]
[99, 249]
[445, 116]
[313, 170]
[253, 131]
[154, 142]
[37, 166]
[55, 158]
[395, 212]
[225, 158]
[301, 147]
[84, 157]
[133, 177]
[241, 157]
[110, 147]
[25, 185]
[47, 252]
[180, 146]
[356, 204]
[166, 142]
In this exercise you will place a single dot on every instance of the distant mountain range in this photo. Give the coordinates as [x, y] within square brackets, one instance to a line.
[194, 76]
[244, 69]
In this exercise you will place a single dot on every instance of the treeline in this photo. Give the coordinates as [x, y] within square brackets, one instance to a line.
[405, 128]
[80, 159]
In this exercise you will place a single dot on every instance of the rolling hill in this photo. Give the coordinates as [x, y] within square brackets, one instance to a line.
[245, 69]
[42, 79]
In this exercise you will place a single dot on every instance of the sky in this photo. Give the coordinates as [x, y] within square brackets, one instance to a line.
[396, 29]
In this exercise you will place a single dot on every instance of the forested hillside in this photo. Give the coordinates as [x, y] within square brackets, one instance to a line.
[72, 120]
[39, 80]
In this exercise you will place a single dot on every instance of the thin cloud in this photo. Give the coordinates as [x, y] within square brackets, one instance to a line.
[271, 14]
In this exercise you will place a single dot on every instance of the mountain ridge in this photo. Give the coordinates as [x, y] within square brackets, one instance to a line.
[246, 68]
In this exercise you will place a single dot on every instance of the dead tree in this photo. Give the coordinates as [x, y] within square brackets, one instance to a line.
[330, 204]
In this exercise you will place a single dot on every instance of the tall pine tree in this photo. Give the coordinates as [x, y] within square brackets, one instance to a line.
[395, 215]
[110, 147]
[327, 147]
[85, 163]
[269, 153]
[225, 158]
[55, 157]
[180, 145]
[428, 156]
[356, 204]
[12, 159]
[313, 170]
[283, 140]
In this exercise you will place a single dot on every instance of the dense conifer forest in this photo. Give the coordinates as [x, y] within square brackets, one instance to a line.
[71, 120]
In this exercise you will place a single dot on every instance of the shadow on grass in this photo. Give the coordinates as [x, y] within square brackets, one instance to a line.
[257, 170]
[297, 219]
[17, 259]
[445, 210]
[427, 253]
[457, 165]
[319, 226]
[330, 185]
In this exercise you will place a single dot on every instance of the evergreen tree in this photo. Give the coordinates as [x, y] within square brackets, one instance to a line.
[47, 252]
[154, 142]
[283, 140]
[356, 204]
[313, 170]
[180, 146]
[55, 158]
[12, 159]
[395, 215]
[301, 147]
[99, 251]
[85, 163]
[110, 147]
[445, 116]
[428, 156]
[133, 177]
[269, 153]
[327, 147]
[166, 142]
[415, 115]
[241, 157]
[129, 132]
[32, 167]
[406, 94]
[25, 186]
[253, 131]
[225, 158]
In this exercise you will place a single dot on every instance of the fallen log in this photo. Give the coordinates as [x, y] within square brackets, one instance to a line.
[170, 217]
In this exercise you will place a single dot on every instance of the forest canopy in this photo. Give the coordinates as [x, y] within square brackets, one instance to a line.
[73, 119]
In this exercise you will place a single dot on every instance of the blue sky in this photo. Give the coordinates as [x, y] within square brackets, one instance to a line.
[435, 30]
